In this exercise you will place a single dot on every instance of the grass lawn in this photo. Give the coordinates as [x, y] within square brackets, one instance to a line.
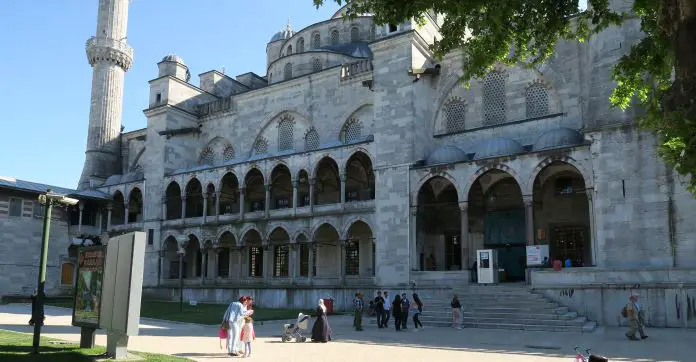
[17, 347]
[201, 313]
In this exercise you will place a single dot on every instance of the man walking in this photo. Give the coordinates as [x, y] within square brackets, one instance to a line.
[358, 306]
[387, 309]
[405, 305]
[636, 318]
[379, 307]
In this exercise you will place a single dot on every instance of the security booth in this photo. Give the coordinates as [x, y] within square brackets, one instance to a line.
[487, 265]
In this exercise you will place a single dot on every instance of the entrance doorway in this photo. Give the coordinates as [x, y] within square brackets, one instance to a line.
[497, 221]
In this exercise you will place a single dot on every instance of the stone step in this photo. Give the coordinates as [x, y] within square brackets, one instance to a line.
[496, 309]
[546, 315]
[578, 322]
[489, 299]
[586, 328]
[521, 306]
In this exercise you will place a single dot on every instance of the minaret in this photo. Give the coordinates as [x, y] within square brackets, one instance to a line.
[110, 58]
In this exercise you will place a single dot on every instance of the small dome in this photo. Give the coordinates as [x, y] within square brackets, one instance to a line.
[559, 137]
[497, 147]
[173, 58]
[113, 180]
[282, 35]
[132, 176]
[446, 154]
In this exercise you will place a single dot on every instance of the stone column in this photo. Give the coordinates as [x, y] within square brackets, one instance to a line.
[164, 208]
[183, 207]
[413, 242]
[217, 205]
[593, 238]
[229, 262]
[529, 218]
[204, 264]
[267, 201]
[162, 256]
[293, 262]
[464, 233]
[343, 189]
[312, 183]
[205, 206]
[295, 185]
[99, 220]
[108, 216]
[341, 260]
[125, 213]
[267, 260]
[242, 202]
[81, 207]
[216, 263]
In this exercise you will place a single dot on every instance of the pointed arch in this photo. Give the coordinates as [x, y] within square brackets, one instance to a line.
[495, 166]
[135, 206]
[172, 200]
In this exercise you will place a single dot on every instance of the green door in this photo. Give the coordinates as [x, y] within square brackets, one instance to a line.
[505, 232]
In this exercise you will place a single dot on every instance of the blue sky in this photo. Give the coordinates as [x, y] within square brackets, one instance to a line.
[46, 80]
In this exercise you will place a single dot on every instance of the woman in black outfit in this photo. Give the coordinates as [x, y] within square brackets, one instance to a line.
[396, 312]
[418, 302]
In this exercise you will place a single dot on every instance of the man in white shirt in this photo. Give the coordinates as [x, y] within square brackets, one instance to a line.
[387, 309]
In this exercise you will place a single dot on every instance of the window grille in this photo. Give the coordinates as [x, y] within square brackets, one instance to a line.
[316, 41]
[286, 128]
[207, 157]
[280, 265]
[316, 65]
[352, 131]
[494, 98]
[537, 99]
[261, 146]
[455, 115]
[354, 34]
[334, 37]
[312, 140]
[288, 71]
[255, 261]
[352, 258]
[228, 153]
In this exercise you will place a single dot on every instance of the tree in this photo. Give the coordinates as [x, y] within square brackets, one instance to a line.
[658, 74]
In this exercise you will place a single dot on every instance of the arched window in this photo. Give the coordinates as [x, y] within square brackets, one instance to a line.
[261, 146]
[289, 49]
[316, 65]
[494, 98]
[312, 140]
[354, 34]
[288, 71]
[228, 153]
[537, 99]
[300, 45]
[455, 115]
[352, 131]
[207, 157]
[316, 41]
[286, 128]
[334, 37]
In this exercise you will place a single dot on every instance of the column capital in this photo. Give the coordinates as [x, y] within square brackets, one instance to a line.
[81, 205]
[295, 183]
[312, 181]
[109, 206]
[343, 177]
[267, 187]
[463, 205]
[414, 210]
[589, 193]
[528, 200]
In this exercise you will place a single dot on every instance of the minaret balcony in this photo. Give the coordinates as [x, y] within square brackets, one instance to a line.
[110, 50]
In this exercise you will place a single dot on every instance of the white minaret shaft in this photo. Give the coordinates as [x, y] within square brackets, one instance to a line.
[110, 58]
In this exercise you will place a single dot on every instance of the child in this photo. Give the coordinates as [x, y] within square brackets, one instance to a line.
[248, 335]
[416, 319]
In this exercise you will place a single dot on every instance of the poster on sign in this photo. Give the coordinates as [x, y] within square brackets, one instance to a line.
[536, 254]
[88, 286]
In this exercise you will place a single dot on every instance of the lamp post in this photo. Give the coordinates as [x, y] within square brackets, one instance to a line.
[48, 200]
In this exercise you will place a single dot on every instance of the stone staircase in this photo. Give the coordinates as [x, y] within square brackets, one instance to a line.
[507, 306]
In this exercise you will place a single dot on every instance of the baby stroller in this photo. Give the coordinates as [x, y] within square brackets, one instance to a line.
[291, 331]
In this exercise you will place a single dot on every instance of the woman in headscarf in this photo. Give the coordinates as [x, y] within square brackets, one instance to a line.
[235, 314]
[456, 312]
[321, 332]
[396, 312]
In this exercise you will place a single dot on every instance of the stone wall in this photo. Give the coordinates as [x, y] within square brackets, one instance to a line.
[668, 295]
[20, 247]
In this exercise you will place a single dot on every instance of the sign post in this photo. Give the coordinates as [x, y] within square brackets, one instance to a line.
[88, 292]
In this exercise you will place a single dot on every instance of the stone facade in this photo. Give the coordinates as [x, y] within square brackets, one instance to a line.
[359, 161]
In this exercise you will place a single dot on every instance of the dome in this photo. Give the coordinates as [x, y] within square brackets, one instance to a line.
[559, 137]
[446, 154]
[282, 35]
[132, 176]
[497, 147]
[173, 58]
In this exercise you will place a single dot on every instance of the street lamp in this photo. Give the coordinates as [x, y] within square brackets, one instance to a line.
[48, 200]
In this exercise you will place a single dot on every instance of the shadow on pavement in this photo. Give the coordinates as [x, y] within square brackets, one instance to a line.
[202, 355]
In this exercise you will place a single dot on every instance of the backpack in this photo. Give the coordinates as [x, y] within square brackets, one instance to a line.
[624, 312]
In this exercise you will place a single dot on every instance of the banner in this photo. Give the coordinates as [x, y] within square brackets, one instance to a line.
[88, 286]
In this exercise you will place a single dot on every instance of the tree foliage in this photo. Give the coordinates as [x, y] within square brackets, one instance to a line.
[657, 75]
